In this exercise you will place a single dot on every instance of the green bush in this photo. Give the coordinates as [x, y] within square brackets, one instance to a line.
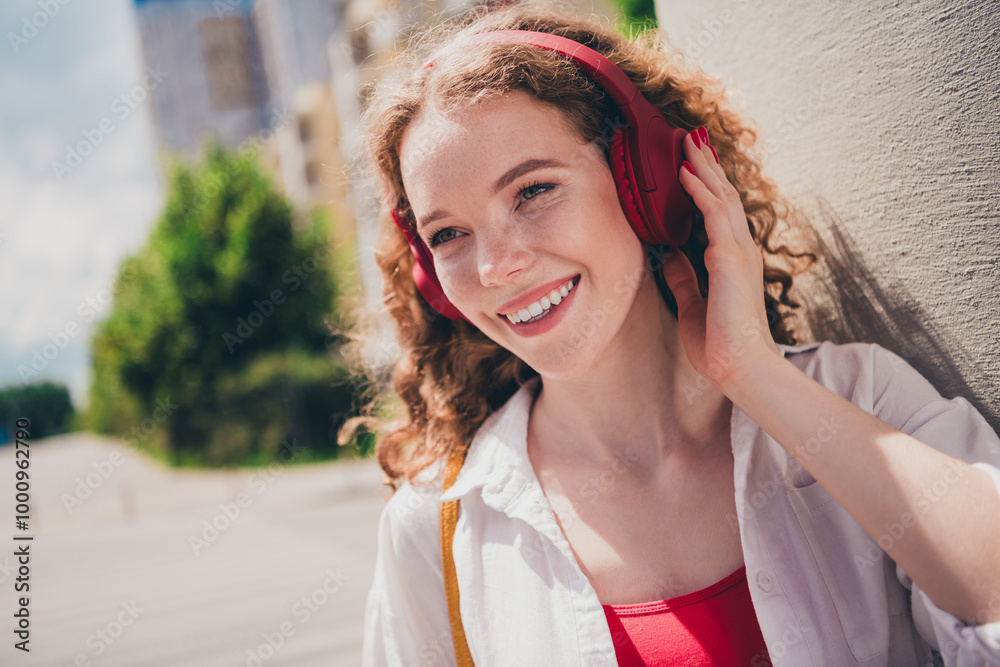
[46, 405]
[635, 15]
[223, 335]
[290, 399]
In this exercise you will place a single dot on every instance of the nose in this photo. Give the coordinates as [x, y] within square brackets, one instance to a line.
[502, 255]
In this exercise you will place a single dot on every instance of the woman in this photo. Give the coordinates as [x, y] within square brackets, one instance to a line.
[654, 473]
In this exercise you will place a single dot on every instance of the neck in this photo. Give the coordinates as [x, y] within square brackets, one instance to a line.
[643, 401]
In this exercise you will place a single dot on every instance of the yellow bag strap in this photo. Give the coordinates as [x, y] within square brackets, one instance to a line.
[449, 516]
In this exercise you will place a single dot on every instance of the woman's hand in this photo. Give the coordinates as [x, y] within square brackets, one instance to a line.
[726, 334]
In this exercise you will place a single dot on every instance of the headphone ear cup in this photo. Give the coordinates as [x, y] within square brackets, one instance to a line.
[628, 197]
[424, 274]
[427, 282]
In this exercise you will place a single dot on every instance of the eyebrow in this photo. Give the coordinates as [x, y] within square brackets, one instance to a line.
[509, 177]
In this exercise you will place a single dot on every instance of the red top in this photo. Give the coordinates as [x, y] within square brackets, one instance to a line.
[708, 628]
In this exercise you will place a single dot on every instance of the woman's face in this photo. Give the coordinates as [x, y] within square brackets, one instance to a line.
[525, 228]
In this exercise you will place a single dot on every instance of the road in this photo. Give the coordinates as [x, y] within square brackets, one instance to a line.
[137, 565]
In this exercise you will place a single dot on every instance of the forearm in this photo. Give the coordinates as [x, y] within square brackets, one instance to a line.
[934, 515]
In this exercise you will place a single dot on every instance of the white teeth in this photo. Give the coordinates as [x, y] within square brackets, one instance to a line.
[542, 305]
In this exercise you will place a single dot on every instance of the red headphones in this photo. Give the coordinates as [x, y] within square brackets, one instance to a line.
[645, 160]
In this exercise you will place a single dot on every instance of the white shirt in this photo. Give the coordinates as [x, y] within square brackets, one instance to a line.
[824, 592]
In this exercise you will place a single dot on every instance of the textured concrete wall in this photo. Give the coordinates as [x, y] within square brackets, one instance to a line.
[879, 119]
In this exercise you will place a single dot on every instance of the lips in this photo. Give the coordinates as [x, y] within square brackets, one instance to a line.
[538, 309]
[532, 300]
[547, 319]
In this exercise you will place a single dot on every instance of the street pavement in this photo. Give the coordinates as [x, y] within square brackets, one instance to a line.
[137, 565]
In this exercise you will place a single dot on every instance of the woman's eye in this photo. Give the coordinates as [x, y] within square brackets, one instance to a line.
[533, 190]
[442, 236]
[526, 193]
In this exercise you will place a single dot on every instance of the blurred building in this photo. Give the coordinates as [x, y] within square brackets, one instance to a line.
[251, 73]
[293, 37]
[214, 83]
[240, 70]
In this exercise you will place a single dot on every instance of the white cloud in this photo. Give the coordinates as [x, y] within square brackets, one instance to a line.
[64, 240]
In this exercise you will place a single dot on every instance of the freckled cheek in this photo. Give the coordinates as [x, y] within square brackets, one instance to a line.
[459, 282]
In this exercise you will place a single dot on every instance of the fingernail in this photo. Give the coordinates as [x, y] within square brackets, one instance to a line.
[712, 148]
[687, 165]
[703, 133]
[696, 139]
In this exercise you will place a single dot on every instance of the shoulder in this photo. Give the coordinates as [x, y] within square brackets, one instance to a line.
[865, 373]
[834, 360]
[886, 385]
[410, 524]
[406, 613]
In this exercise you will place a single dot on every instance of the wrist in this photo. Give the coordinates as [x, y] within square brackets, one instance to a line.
[754, 373]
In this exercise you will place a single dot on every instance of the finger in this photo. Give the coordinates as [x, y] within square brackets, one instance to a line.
[714, 210]
[721, 187]
[699, 154]
[711, 155]
[727, 192]
[703, 160]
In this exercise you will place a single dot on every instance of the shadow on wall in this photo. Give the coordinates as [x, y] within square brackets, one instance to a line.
[845, 303]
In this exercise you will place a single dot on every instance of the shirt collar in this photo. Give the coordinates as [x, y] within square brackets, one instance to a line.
[498, 454]
[497, 461]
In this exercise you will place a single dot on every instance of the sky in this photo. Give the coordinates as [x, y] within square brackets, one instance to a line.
[71, 74]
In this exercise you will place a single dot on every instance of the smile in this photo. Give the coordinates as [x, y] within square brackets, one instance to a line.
[539, 309]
